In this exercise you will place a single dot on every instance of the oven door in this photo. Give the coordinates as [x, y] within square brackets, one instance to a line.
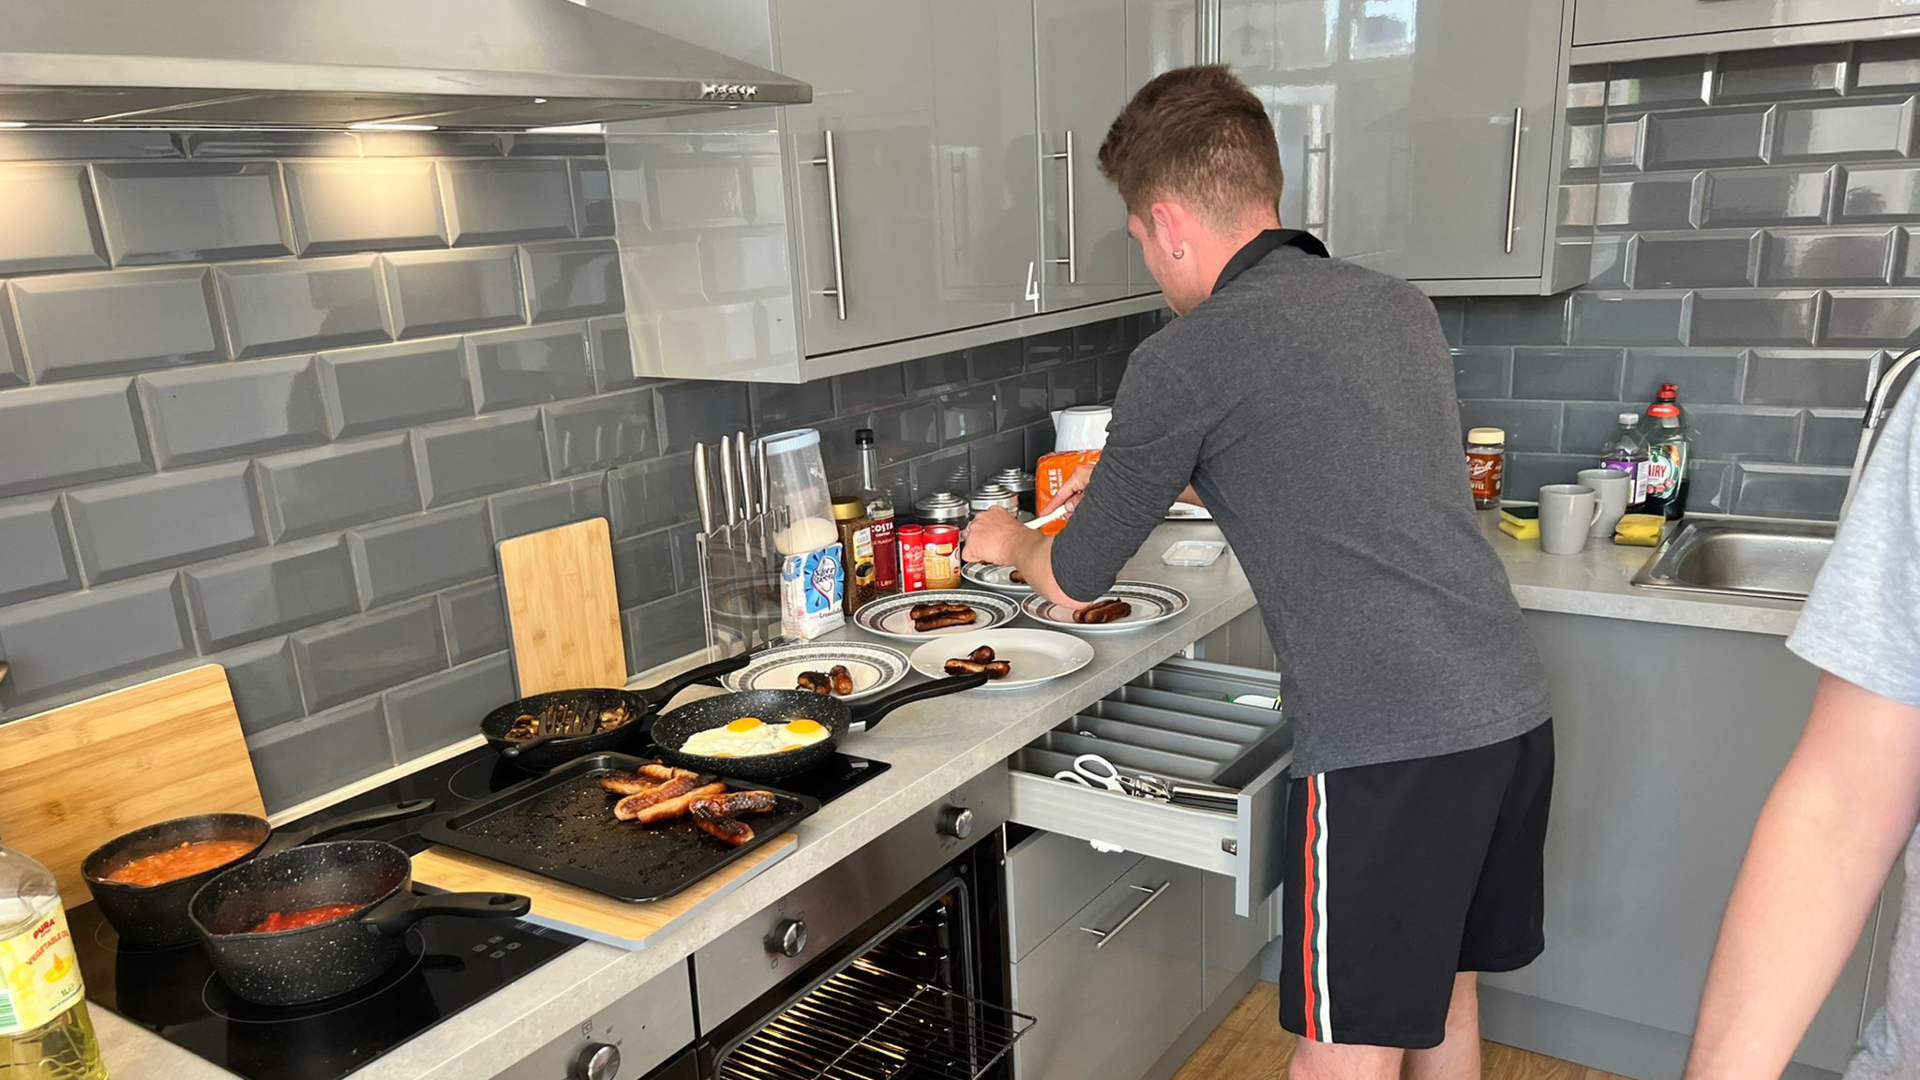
[921, 990]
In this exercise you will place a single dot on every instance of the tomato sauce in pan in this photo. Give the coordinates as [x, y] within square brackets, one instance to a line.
[297, 920]
[184, 861]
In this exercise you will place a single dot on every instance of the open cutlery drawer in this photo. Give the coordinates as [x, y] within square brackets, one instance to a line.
[1180, 724]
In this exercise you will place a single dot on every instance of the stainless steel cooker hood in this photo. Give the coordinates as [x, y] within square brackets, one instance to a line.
[487, 64]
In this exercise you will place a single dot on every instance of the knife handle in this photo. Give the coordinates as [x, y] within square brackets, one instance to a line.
[703, 486]
[727, 489]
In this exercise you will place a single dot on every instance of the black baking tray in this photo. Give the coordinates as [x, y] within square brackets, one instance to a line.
[560, 825]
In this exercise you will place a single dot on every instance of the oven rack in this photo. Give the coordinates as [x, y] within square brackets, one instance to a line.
[867, 1023]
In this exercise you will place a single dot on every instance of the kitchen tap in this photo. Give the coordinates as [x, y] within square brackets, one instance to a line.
[1879, 400]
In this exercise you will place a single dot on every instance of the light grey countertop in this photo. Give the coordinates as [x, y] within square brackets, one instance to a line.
[1598, 581]
[933, 749]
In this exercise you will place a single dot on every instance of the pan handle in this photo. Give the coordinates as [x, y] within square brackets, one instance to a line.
[394, 915]
[378, 815]
[657, 696]
[871, 712]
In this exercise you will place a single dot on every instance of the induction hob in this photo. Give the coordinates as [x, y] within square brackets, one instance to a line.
[448, 964]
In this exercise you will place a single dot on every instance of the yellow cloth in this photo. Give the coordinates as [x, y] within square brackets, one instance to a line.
[1639, 530]
[1521, 530]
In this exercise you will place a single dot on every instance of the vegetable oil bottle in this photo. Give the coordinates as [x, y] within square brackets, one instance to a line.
[45, 1033]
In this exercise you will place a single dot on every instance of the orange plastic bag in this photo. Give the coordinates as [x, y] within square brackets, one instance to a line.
[1051, 474]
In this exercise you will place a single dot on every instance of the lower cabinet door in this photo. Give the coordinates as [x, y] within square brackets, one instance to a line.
[1118, 984]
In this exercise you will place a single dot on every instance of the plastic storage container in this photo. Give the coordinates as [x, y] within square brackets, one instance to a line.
[797, 483]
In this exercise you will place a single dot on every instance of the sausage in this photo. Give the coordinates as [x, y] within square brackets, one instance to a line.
[1017, 578]
[674, 808]
[982, 655]
[952, 618]
[842, 680]
[995, 669]
[621, 784]
[659, 772]
[817, 681]
[629, 808]
[735, 803]
[722, 828]
[1105, 611]
[928, 611]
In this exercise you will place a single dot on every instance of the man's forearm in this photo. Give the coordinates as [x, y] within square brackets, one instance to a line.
[1828, 835]
[1033, 555]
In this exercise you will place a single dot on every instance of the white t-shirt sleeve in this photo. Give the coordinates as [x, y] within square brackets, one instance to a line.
[1863, 621]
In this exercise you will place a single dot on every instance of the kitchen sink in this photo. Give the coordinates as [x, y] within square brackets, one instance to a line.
[1740, 558]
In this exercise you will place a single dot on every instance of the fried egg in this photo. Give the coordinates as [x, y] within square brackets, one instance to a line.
[750, 736]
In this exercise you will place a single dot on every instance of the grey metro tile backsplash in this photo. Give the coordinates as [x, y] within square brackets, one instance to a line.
[1767, 225]
[288, 440]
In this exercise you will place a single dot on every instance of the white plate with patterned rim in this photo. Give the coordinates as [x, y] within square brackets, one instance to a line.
[874, 667]
[1035, 656]
[892, 616]
[994, 576]
[1151, 604]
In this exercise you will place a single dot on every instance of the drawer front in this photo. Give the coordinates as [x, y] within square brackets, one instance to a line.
[1108, 1007]
[1187, 731]
[648, 1026]
[740, 965]
[1050, 877]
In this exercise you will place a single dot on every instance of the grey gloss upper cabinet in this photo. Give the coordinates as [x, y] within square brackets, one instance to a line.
[1091, 55]
[1602, 22]
[1423, 140]
[921, 220]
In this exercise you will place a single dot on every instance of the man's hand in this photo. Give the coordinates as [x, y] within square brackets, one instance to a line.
[1070, 492]
[995, 537]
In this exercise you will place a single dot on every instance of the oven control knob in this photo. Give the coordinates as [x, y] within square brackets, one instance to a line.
[789, 938]
[957, 822]
[596, 1061]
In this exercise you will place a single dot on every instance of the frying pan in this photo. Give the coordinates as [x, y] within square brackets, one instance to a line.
[293, 967]
[641, 703]
[156, 915]
[672, 730]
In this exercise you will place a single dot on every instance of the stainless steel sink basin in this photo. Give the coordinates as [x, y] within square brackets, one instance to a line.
[1739, 558]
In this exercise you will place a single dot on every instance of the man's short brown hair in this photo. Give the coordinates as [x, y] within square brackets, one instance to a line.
[1199, 135]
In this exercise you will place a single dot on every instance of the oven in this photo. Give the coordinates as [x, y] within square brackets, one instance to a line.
[892, 965]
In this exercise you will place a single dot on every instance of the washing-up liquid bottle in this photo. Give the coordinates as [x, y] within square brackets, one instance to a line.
[45, 1033]
[1669, 460]
[1669, 395]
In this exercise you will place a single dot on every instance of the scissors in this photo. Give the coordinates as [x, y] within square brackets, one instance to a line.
[1094, 771]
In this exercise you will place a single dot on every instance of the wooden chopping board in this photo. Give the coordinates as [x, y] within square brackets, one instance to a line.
[75, 777]
[563, 609]
[613, 921]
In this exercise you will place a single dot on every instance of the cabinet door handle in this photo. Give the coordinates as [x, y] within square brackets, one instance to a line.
[1071, 262]
[1513, 176]
[1108, 937]
[839, 290]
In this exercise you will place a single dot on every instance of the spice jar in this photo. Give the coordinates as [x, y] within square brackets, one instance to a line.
[1487, 465]
[856, 547]
[943, 508]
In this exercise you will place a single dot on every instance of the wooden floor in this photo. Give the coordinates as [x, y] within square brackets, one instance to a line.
[1250, 1045]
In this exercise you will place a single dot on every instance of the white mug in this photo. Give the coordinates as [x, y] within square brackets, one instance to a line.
[1081, 427]
[1614, 488]
[1567, 511]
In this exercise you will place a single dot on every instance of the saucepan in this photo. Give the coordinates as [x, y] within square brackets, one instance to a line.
[639, 704]
[295, 966]
[156, 915]
[672, 730]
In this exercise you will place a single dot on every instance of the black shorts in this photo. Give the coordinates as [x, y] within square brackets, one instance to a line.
[1400, 876]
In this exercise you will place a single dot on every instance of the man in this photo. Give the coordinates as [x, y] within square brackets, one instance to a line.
[1309, 404]
[1842, 809]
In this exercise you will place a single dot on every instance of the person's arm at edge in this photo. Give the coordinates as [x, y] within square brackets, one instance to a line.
[1033, 555]
[1827, 837]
